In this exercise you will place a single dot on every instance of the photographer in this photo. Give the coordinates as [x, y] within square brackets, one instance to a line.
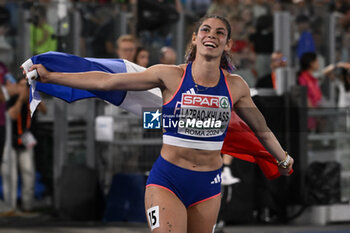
[41, 33]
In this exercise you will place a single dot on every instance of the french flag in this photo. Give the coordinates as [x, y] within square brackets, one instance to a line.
[240, 140]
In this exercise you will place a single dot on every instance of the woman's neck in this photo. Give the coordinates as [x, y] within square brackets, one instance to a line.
[206, 73]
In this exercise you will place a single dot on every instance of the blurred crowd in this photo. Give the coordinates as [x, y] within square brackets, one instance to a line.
[149, 37]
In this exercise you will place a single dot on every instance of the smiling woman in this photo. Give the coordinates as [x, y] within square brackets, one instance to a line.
[184, 186]
[226, 57]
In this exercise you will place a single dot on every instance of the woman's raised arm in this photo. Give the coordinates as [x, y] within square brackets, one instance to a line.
[97, 80]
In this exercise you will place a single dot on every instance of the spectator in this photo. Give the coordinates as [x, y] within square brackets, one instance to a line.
[4, 15]
[242, 51]
[302, 7]
[198, 7]
[141, 56]
[106, 30]
[344, 88]
[308, 65]
[167, 56]
[91, 29]
[23, 143]
[342, 83]
[11, 21]
[126, 47]
[260, 8]
[7, 89]
[6, 50]
[224, 7]
[345, 51]
[3, 94]
[246, 14]
[305, 42]
[262, 41]
[155, 14]
[41, 33]
[278, 60]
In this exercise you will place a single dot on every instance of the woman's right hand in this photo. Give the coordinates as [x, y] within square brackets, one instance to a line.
[41, 70]
[43, 74]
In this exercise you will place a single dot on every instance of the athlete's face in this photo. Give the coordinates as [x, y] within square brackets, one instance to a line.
[211, 39]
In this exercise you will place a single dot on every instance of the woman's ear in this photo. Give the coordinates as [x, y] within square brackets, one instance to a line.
[229, 45]
[194, 37]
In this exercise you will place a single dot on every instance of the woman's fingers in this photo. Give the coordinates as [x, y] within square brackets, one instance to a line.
[33, 67]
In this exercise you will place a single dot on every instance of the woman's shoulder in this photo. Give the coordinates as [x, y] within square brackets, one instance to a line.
[235, 79]
[168, 70]
[171, 68]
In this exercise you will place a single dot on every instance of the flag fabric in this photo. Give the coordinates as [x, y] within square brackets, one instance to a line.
[132, 101]
[240, 140]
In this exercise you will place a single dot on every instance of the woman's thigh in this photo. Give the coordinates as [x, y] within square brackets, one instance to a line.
[164, 211]
[203, 216]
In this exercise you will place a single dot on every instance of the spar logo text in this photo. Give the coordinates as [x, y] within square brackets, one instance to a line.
[201, 101]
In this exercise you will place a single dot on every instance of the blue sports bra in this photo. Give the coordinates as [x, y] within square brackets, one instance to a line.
[197, 117]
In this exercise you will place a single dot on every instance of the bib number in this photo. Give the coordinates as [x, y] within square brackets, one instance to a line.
[153, 217]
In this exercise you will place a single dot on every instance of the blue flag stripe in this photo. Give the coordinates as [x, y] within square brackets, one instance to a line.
[62, 62]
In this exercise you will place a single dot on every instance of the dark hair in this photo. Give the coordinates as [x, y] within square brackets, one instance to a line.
[345, 78]
[302, 19]
[263, 23]
[139, 49]
[226, 58]
[306, 60]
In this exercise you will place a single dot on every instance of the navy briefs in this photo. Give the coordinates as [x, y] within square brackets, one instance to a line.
[191, 187]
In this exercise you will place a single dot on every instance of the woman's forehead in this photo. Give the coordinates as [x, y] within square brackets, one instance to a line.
[214, 22]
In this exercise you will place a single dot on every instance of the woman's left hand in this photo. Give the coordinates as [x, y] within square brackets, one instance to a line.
[286, 171]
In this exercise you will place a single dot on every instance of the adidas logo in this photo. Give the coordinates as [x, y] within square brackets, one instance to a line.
[191, 91]
[217, 179]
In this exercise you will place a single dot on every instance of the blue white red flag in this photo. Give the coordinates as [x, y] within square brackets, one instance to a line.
[62, 62]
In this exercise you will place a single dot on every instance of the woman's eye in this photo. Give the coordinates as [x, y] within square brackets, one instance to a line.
[205, 29]
[220, 33]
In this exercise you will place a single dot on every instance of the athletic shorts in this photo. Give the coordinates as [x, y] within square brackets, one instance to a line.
[191, 187]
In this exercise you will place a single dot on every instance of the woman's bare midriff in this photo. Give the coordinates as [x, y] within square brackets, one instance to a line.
[192, 159]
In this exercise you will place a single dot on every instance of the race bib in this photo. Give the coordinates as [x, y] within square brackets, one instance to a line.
[203, 115]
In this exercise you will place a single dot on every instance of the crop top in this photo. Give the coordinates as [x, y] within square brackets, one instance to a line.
[197, 117]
